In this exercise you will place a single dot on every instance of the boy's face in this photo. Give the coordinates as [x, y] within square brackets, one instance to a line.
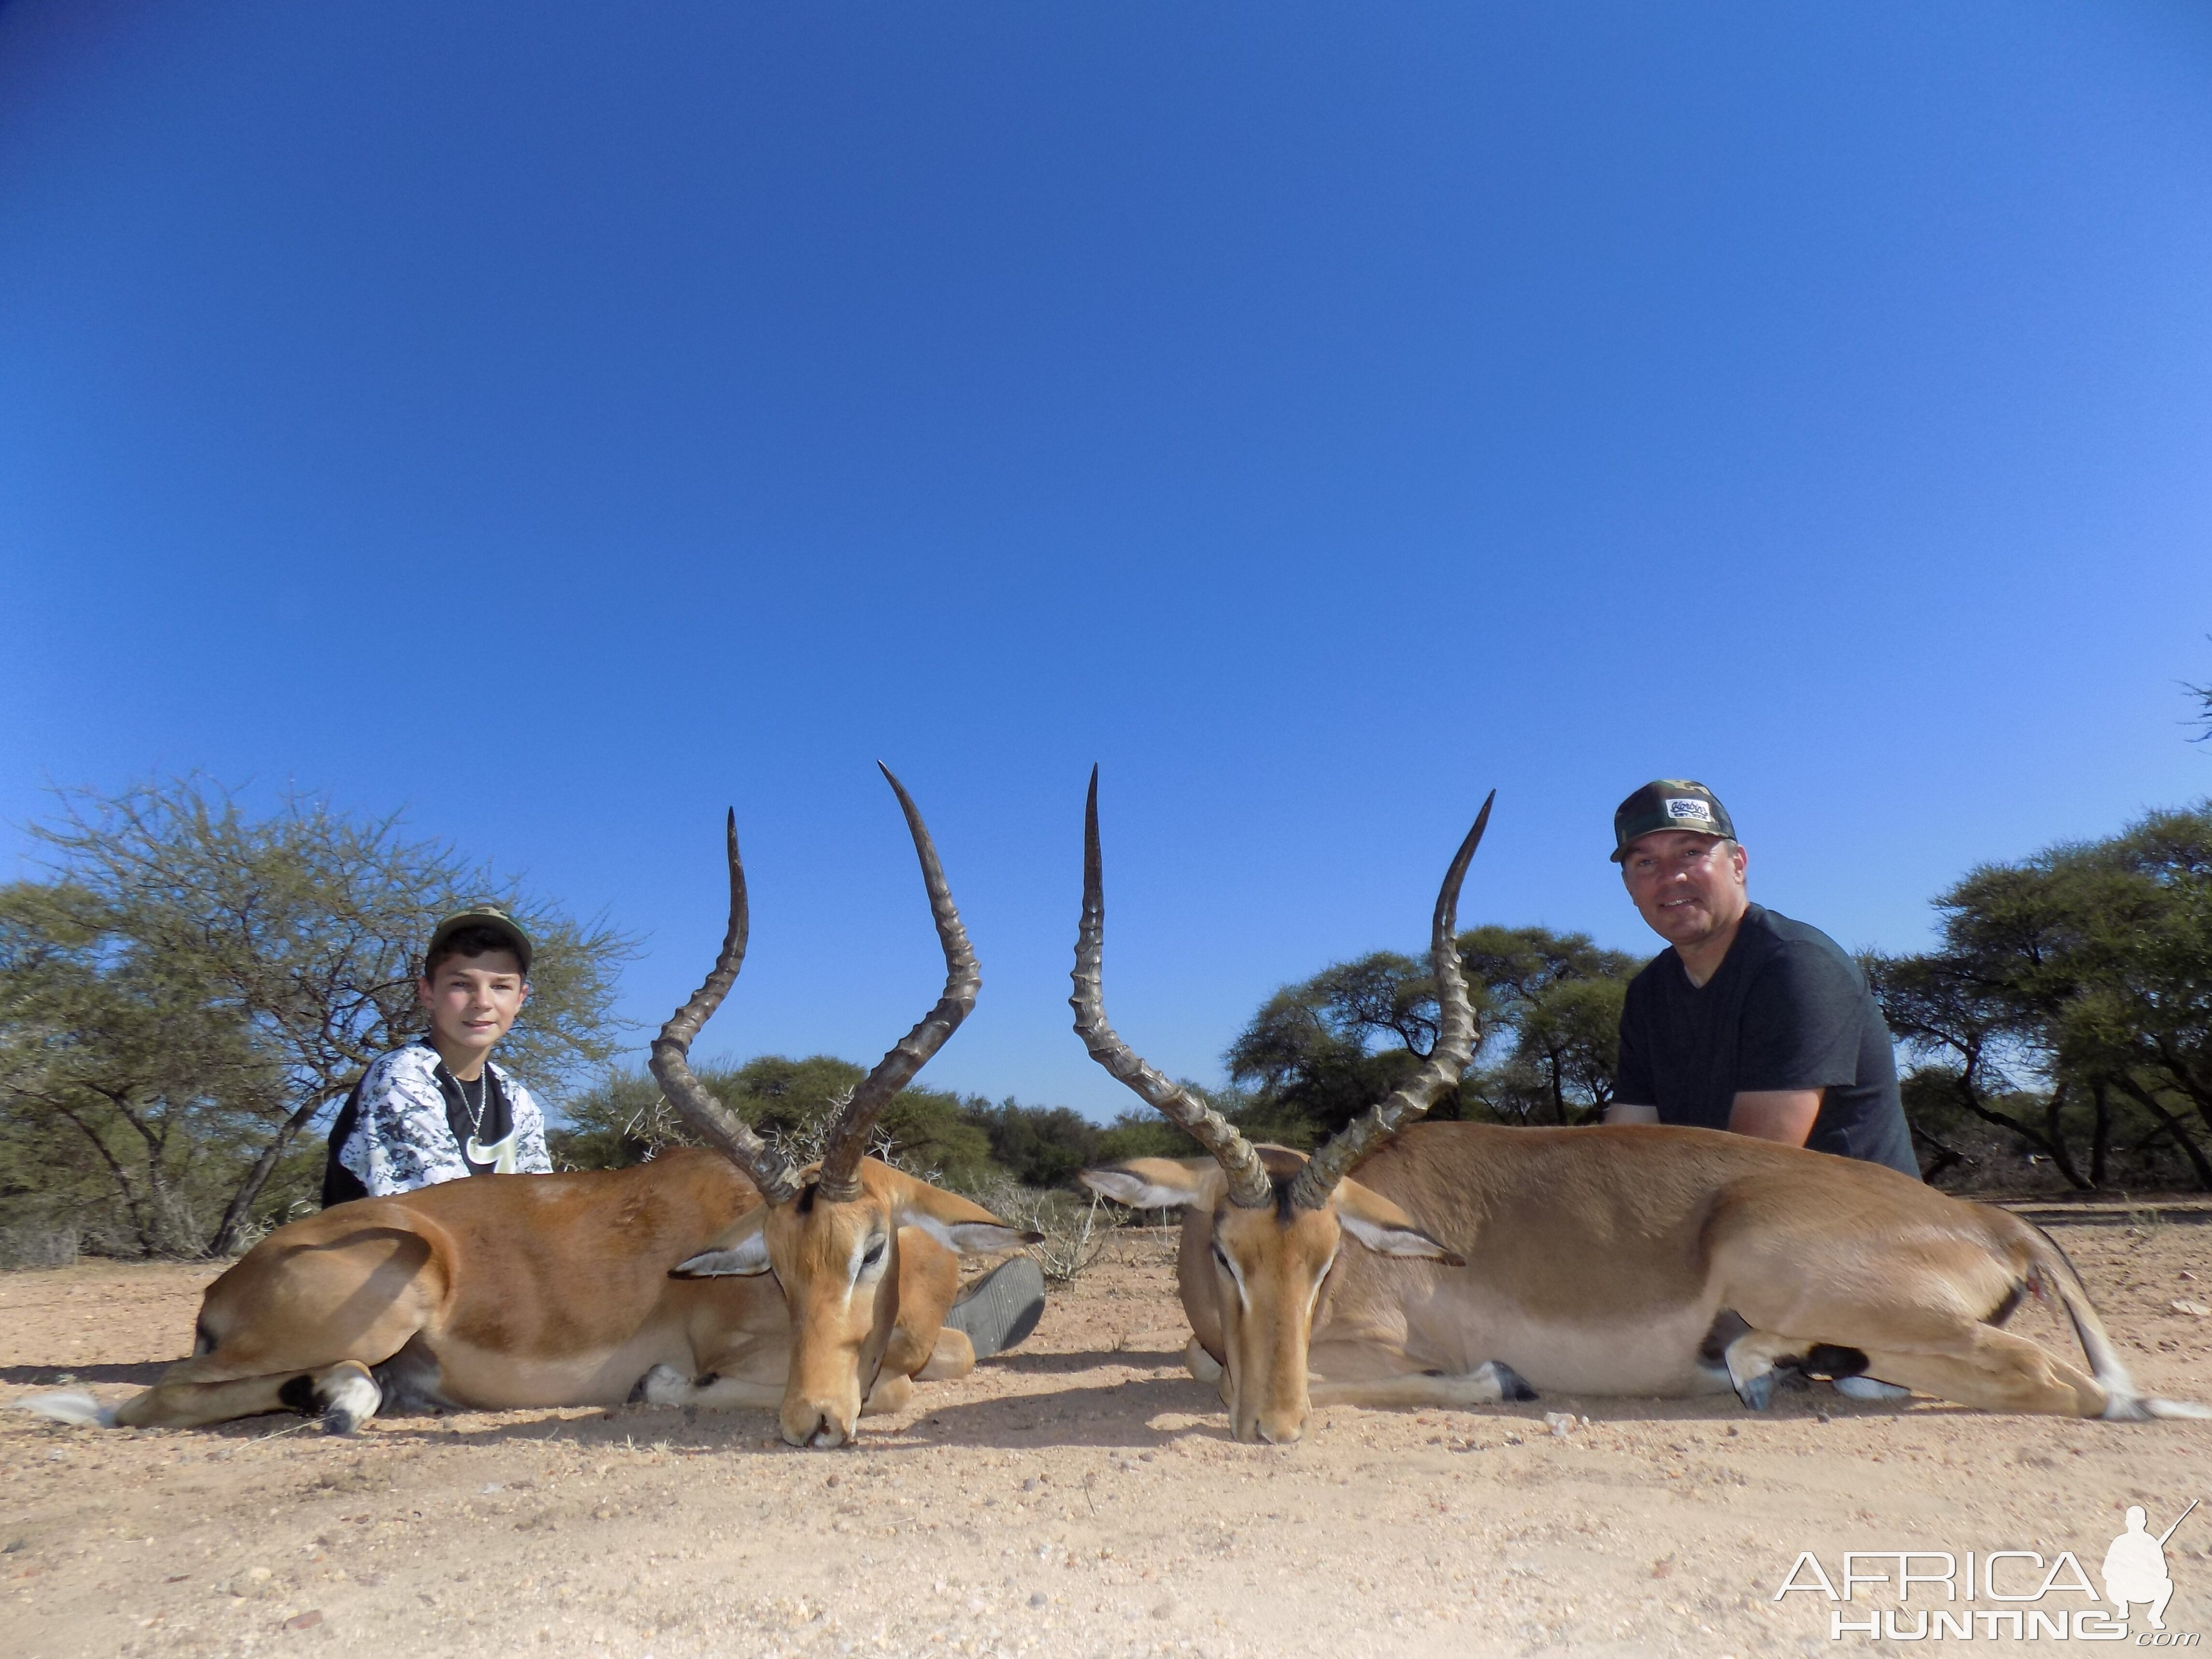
[473, 1000]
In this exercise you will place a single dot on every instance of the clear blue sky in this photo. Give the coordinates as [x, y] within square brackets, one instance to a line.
[564, 422]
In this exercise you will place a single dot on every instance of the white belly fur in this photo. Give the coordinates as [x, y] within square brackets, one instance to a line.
[1653, 1356]
[492, 1380]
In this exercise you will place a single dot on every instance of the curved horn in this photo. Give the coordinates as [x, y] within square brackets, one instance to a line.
[1247, 1177]
[1447, 1060]
[713, 1122]
[848, 1137]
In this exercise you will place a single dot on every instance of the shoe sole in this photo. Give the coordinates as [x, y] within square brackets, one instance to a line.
[1001, 1307]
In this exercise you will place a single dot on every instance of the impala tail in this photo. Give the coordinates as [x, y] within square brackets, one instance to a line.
[74, 1406]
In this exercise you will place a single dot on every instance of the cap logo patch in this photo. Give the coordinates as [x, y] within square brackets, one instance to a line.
[1678, 807]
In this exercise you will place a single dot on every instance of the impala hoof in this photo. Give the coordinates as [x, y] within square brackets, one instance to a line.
[1868, 1388]
[664, 1385]
[1757, 1392]
[349, 1401]
[1508, 1383]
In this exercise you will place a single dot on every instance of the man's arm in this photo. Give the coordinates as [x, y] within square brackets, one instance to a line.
[1783, 1114]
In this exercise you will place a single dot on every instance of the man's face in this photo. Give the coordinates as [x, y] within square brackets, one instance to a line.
[1687, 886]
[473, 1000]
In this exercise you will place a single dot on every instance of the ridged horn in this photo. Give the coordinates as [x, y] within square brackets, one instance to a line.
[1447, 1060]
[848, 1136]
[1247, 1177]
[713, 1122]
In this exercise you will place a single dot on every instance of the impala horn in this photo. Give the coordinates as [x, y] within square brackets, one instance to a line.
[1249, 1185]
[1447, 1060]
[848, 1136]
[713, 1122]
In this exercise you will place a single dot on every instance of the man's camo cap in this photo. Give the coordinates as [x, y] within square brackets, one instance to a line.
[1669, 804]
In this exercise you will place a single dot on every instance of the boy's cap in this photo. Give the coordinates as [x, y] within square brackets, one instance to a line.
[483, 916]
[1669, 804]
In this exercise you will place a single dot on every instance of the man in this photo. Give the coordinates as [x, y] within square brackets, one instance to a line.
[438, 1110]
[1748, 1021]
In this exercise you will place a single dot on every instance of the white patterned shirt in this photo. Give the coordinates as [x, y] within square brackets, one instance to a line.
[403, 1138]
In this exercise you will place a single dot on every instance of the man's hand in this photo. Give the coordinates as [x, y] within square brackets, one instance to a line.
[1783, 1114]
[1618, 1112]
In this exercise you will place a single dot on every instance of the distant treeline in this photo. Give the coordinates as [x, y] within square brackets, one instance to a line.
[962, 1141]
[191, 991]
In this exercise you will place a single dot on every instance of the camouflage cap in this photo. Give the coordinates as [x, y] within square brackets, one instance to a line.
[483, 916]
[1669, 804]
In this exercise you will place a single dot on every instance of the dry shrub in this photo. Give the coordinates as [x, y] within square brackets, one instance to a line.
[1074, 1231]
[37, 1246]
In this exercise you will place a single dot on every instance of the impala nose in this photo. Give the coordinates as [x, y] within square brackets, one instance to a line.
[814, 1426]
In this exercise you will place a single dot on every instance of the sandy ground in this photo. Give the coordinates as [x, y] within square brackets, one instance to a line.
[1076, 1497]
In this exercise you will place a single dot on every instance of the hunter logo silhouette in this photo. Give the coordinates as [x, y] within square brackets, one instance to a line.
[2135, 1566]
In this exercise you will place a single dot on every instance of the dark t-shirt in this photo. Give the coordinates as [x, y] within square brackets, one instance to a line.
[1787, 1009]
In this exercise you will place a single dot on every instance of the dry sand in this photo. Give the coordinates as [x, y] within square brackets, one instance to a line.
[1077, 1497]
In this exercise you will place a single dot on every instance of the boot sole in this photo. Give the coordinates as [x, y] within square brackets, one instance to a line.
[1001, 1307]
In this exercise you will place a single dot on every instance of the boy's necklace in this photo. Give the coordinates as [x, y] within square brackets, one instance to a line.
[476, 1151]
[474, 1108]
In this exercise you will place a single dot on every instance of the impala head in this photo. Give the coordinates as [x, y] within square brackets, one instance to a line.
[1270, 1222]
[830, 1233]
[1268, 1264]
[837, 1260]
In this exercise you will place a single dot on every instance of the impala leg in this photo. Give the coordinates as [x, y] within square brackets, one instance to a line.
[1488, 1384]
[892, 1393]
[929, 1277]
[1362, 1373]
[664, 1385]
[352, 1305]
[1996, 1371]
[953, 1356]
[344, 1395]
[1203, 1365]
[178, 1403]
[1757, 1360]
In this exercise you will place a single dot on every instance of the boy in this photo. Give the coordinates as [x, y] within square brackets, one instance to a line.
[438, 1110]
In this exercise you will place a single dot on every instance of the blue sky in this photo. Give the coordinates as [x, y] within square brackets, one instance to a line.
[563, 423]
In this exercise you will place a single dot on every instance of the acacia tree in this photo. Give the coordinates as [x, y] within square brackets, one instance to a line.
[1319, 1053]
[1547, 1008]
[622, 1119]
[2077, 984]
[118, 1081]
[1555, 1002]
[297, 933]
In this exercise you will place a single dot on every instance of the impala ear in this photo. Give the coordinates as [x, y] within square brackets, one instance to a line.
[744, 1259]
[1385, 1229]
[1156, 1183]
[954, 1222]
[973, 1237]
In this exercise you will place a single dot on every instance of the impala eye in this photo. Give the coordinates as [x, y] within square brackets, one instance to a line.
[875, 1254]
[1220, 1256]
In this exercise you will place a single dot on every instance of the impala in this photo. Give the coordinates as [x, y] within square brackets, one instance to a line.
[1635, 1260]
[727, 1278]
